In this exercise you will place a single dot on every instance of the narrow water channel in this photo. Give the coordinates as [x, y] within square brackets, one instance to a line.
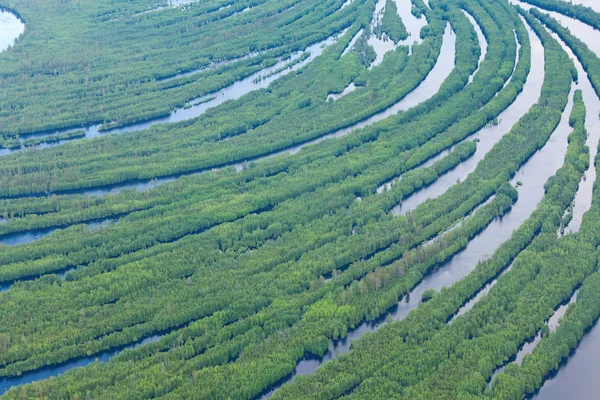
[591, 37]
[483, 44]
[256, 81]
[489, 135]
[576, 377]
[550, 158]
[443, 67]
[552, 323]
[426, 89]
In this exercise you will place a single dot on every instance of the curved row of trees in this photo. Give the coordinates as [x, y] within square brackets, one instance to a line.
[241, 275]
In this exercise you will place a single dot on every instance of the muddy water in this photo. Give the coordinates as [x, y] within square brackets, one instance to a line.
[488, 136]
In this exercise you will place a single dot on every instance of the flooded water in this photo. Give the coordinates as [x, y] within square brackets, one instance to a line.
[553, 322]
[426, 89]
[583, 198]
[45, 373]
[256, 81]
[413, 27]
[488, 136]
[17, 238]
[11, 27]
[577, 376]
[536, 171]
[348, 89]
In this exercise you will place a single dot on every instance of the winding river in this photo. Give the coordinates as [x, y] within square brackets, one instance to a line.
[488, 136]
[576, 377]
[424, 91]
[534, 172]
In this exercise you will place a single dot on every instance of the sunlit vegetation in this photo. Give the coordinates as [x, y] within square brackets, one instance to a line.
[391, 23]
[211, 257]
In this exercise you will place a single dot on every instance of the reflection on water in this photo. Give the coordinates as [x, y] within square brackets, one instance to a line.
[424, 91]
[577, 376]
[45, 373]
[258, 80]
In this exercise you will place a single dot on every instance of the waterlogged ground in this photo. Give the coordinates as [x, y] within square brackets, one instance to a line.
[575, 377]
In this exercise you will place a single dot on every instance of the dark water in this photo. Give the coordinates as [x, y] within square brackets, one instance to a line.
[45, 373]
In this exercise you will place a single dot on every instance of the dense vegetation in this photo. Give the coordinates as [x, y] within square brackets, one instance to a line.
[391, 23]
[211, 257]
